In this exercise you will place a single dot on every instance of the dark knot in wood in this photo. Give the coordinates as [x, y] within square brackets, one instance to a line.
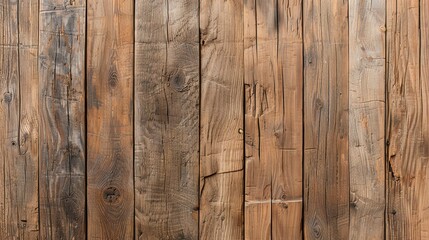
[111, 195]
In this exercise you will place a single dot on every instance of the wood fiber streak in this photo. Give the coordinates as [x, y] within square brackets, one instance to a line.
[110, 190]
[326, 167]
[166, 119]
[222, 118]
[62, 119]
[273, 120]
[367, 118]
[407, 134]
[18, 120]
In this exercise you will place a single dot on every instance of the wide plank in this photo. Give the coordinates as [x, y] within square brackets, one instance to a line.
[62, 119]
[166, 119]
[326, 166]
[407, 133]
[19, 120]
[222, 118]
[367, 118]
[110, 189]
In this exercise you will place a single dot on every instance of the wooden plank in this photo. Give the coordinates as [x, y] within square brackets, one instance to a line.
[110, 189]
[273, 81]
[326, 168]
[407, 134]
[19, 120]
[62, 119]
[222, 117]
[166, 119]
[367, 118]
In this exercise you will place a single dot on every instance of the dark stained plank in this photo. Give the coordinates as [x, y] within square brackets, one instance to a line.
[62, 119]
[110, 191]
[326, 168]
[166, 119]
[367, 118]
[222, 117]
[273, 130]
[19, 120]
[407, 134]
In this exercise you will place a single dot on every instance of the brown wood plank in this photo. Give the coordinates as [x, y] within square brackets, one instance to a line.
[222, 117]
[62, 119]
[273, 81]
[110, 190]
[367, 118]
[407, 135]
[326, 168]
[19, 120]
[166, 119]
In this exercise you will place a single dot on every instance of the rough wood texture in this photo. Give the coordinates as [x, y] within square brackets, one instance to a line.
[110, 188]
[407, 134]
[221, 137]
[326, 168]
[18, 120]
[62, 119]
[367, 118]
[273, 130]
[166, 119]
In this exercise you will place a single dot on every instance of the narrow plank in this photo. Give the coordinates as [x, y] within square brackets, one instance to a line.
[19, 120]
[407, 135]
[326, 168]
[166, 119]
[367, 118]
[62, 119]
[222, 117]
[110, 193]
[273, 81]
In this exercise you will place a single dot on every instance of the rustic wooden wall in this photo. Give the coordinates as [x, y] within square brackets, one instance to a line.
[214, 119]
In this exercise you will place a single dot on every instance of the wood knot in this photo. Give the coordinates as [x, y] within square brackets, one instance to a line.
[178, 81]
[8, 97]
[111, 195]
[113, 77]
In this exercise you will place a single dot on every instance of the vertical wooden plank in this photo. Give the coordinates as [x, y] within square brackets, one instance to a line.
[110, 190]
[19, 120]
[367, 118]
[407, 121]
[273, 81]
[221, 137]
[166, 119]
[326, 169]
[62, 119]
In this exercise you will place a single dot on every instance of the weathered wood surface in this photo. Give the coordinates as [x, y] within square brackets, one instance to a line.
[166, 119]
[326, 167]
[62, 119]
[273, 121]
[110, 189]
[222, 117]
[19, 120]
[367, 118]
[407, 125]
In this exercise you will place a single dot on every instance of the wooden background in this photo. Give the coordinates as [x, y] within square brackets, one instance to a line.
[214, 119]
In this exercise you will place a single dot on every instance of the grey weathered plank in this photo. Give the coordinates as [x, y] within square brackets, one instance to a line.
[221, 136]
[326, 168]
[62, 119]
[367, 118]
[110, 189]
[166, 119]
[18, 120]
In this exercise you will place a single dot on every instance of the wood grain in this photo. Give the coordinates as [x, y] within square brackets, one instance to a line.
[19, 120]
[110, 190]
[407, 133]
[273, 136]
[367, 118]
[166, 119]
[222, 118]
[326, 167]
[62, 119]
